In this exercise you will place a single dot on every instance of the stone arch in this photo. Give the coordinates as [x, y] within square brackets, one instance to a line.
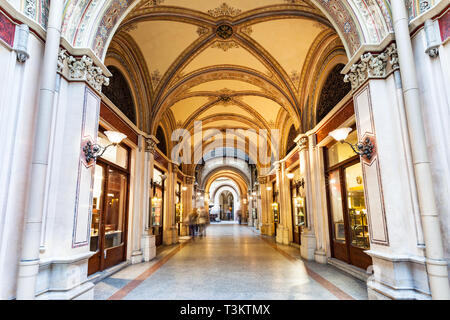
[92, 24]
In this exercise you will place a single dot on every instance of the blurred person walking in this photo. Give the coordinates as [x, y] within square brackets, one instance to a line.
[192, 220]
[202, 220]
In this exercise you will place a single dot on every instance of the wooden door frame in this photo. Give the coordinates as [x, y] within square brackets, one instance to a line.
[107, 165]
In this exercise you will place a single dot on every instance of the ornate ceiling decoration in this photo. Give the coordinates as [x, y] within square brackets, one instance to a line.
[228, 66]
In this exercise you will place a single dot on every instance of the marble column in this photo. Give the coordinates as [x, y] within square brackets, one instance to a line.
[187, 202]
[263, 198]
[170, 230]
[148, 239]
[308, 238]
[284, 227]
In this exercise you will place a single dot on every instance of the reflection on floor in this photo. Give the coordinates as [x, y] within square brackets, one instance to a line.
[231, 262]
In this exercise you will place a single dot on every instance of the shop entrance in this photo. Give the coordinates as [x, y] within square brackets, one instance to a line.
[109, 210]
[347, 212]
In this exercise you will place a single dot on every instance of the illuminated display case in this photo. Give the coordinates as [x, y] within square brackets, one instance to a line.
[276, 217]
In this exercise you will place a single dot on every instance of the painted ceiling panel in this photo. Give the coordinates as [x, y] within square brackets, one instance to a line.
[267, 108]
[184, 108]
[156, 41]
[216, 56]
[297, 34]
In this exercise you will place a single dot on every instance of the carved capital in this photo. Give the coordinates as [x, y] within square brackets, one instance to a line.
[262, 180]
[373, 66]
[83, 68]
[150, 144]
[189, 180]
[302, 143]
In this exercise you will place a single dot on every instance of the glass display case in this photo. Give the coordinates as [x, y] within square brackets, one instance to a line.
[276, 216]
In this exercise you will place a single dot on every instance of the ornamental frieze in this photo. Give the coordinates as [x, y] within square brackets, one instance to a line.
[373, 66]
[83, 69]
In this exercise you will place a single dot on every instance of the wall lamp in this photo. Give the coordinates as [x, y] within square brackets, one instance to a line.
[363, 149]
[93, 151]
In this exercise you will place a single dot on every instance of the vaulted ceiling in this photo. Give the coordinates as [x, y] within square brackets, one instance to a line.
[238, 64]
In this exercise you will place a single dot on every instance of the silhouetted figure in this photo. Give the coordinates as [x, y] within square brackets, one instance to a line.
[202, 220]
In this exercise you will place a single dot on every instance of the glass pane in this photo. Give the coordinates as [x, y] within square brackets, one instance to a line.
[114, 154]
[337, 213]
[97, 203]
[157, 208]
[339, 152]
[357, 212]
[116, 208]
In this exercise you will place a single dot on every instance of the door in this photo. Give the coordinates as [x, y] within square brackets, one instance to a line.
[348, 215]
[109, 217]
[157, 214]
[296, 224]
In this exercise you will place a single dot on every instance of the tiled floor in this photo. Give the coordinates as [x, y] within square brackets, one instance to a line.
[231, 262]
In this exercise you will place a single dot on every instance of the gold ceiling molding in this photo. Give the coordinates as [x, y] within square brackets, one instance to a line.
[201, 31]
[224, 45]
[224, 10]
[152, 3]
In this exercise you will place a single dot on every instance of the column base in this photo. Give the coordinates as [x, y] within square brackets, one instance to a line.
[397, 277]
[320, 256]
[282, 235]
[65, 278]
[308, 245]
[148, 247]
[136, 257]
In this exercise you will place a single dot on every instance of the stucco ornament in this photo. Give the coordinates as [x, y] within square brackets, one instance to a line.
[81, 69]
[373, 66]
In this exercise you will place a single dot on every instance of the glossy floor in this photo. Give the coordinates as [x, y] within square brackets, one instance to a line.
[231, 262]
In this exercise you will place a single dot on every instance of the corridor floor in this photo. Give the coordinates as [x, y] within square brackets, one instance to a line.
[231, 262]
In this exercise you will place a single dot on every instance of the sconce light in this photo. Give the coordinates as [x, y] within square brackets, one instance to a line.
[93, 151]
[184, 188]
[299, 183]
[268, 188]
[253, 193]
[290, 175]
[251, 198]
[365, 148]
[199, 194]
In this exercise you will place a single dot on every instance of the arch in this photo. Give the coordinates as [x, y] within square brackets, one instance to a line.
[92, 24]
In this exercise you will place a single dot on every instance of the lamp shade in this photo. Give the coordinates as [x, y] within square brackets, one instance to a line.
[340, 134]
[115, 136]
[290, 175]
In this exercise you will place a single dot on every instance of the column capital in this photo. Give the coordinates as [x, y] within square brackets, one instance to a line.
[372, 65]
[150, 144]
[302, 142]
[189, 180]
[262, 180]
